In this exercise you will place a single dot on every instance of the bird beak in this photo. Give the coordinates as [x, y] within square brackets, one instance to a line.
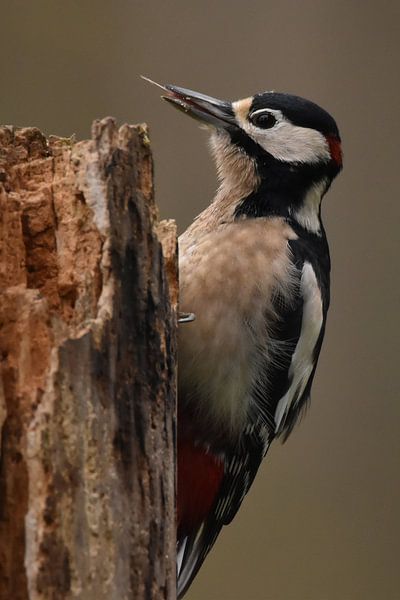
[208, 110]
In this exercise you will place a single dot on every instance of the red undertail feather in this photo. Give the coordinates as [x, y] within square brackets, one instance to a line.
[199, 478]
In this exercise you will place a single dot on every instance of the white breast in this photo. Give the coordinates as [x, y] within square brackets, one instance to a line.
[303, 357]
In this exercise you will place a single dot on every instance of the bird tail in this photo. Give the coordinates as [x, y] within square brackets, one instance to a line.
[191, 552]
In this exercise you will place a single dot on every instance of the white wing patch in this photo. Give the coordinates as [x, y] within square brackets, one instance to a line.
[302, 362]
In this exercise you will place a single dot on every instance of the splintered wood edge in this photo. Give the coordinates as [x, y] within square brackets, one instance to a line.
[166, 231]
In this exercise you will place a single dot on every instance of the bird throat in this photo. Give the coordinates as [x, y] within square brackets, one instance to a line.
[236, 170]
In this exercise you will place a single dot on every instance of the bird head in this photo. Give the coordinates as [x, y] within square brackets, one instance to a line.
[289, 147]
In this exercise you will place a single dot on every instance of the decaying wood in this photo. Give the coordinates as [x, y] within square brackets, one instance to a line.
[87, 364]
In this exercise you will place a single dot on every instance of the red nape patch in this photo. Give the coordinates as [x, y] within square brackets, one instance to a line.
[335, 148]
[199, 477]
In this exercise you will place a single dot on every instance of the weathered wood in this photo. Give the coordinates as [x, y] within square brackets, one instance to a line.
[87, 365]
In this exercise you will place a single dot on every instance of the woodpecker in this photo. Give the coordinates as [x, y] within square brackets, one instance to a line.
[254, 270]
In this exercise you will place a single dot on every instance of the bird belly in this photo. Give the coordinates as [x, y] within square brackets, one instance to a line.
[228, 280]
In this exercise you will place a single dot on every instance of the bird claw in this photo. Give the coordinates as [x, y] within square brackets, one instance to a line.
[186, 317]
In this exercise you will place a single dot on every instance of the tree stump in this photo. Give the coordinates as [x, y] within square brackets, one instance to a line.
[87, 365]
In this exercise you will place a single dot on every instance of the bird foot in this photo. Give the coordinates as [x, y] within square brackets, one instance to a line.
[186, 317]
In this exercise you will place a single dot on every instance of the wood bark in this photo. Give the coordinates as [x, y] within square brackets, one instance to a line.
[87, 365]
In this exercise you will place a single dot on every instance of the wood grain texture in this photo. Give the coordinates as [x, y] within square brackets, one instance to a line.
[87, 366]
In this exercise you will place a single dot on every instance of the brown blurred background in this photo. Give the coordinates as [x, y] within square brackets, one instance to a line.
[322, 520]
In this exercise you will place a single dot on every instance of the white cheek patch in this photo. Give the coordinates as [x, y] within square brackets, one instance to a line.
[285, 141]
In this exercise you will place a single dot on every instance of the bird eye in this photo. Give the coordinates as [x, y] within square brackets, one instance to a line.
[264, 119]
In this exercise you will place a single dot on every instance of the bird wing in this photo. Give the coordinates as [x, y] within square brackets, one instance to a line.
[282, 387]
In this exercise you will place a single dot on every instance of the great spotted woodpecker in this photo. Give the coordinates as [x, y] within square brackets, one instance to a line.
[254, 269]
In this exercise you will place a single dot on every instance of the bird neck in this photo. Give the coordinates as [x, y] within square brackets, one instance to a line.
[236, 170]
[290, 191]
